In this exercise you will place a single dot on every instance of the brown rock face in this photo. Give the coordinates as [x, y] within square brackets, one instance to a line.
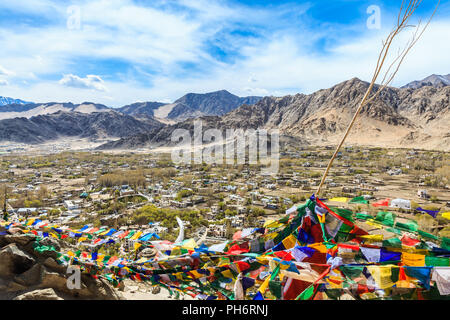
[27, 274]
[43, 294]
[14, 261]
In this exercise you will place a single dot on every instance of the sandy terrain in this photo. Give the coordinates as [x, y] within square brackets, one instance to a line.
[163, 112]
[139, 291]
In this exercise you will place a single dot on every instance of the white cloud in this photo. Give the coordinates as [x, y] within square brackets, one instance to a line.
[5, 72]
[4, 82]
[90, 82]
[155, 41]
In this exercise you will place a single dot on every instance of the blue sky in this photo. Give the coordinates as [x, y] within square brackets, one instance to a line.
[123, 51]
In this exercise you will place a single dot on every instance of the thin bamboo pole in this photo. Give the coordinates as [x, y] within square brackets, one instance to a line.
[402, 23]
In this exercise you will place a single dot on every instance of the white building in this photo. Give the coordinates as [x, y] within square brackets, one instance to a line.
[69, 205]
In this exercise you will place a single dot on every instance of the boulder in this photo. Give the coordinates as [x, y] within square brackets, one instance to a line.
[42, 294]
[100, 288]
[14, 261]
[51, 264]
[20, 239]
[53, 280]
[15, 230]
[15, 287]
[3, 285]
[59, 282]
[30, 277]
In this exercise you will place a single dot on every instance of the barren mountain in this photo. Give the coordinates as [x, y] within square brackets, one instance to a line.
[32, 110]
[141, 108]
[97, 125]
[217, 103]
[397, 117]
[434, 80]
[192, 105]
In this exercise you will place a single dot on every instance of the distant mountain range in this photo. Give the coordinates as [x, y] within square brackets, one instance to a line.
[416, 115]
[35, 109]
[96, 125]
[434, 80]
[192, 105]
[5, 101]
[397, 118]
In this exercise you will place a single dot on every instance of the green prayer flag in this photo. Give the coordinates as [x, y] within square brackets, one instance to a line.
[306, 294]
[394, 230]
[446, 243]
[437, 262]
[363, 216]
[386, 218]
[427, 235]
[359, 200]
[275, 288]
[351, 271]
[409, 226]
[394, 242]
[394, 274]
[344, 213]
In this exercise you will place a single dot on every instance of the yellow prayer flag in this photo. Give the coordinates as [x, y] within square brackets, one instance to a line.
[227, 274]
[319, 247]
[179, 275]
[289, 242]
[373, 224]
[373, 237]
[197, 274]
[339, 199]
[335, 282]
[136, 236]
[190, 244]
[264, 285]
[413, 260]
[446, 215]
[137, 245]
[272, 224]
[382, 276]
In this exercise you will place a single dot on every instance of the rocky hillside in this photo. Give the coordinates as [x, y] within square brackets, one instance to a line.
[437, 81]
[192, 105]
[29, 271]
[93, 126]
[141, 108]
[398, 117]
[216, 103]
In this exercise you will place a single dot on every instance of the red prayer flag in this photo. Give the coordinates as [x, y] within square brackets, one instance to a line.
[381, 203]
[407, 241]
[237, 235]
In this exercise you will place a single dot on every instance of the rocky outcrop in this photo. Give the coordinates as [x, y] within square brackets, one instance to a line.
[43, 294]
[14, 261]
[30, 274]
[97, 125]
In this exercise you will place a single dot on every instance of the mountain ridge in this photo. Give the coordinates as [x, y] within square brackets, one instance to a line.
[97, 125]
[322, 117]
